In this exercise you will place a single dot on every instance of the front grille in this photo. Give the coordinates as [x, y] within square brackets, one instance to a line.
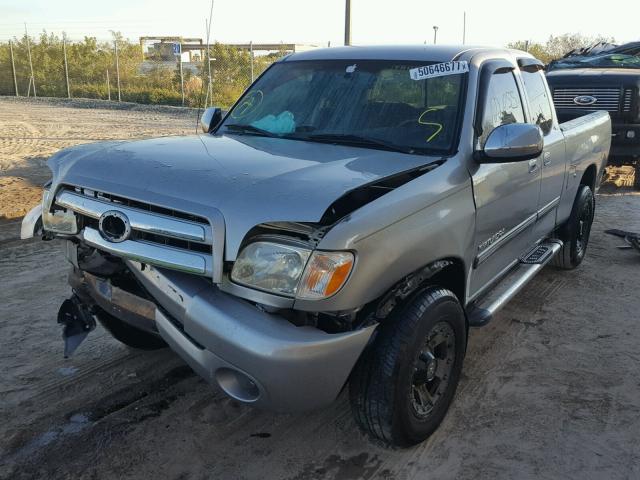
[159, 236]
[606, 98]
[141, 205]
[170, 242]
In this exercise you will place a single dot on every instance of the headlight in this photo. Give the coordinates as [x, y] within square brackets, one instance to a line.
[58, 220]
[280, 269]
[270, 266]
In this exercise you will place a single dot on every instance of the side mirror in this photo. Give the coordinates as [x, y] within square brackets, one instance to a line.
[210, 119]
[512, 143]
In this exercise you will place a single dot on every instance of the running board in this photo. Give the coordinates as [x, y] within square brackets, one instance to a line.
[483, 311]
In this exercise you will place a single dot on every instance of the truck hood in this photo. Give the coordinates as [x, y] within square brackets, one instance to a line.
[595, 76]
[248, 179]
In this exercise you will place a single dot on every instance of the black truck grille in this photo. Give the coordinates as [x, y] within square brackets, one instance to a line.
[607, 98]
[627, 100]
[620, 102]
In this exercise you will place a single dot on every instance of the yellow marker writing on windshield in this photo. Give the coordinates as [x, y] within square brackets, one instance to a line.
[250, 103]
[438, 126]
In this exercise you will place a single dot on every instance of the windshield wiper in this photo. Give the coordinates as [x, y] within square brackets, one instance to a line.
[357, 140]
[337, 138]
[242, 128]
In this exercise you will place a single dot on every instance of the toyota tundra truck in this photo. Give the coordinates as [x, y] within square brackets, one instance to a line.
[342, 226]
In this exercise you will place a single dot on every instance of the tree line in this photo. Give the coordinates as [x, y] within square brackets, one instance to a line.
[557, 46]
[92, 72]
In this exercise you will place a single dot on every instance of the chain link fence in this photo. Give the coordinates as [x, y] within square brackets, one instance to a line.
[166, 71]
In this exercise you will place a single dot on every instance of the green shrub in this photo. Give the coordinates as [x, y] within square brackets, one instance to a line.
[92, 91]
[150, 95]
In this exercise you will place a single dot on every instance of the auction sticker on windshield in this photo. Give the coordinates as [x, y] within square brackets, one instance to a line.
[438, 70]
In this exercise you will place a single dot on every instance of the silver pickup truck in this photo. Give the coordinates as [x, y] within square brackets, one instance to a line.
[345, 223]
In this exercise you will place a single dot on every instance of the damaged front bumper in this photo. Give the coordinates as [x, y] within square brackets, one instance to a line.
[31, 224]
[254, 356]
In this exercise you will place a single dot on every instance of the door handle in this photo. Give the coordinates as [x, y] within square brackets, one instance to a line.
[533, 165]
[546, 158]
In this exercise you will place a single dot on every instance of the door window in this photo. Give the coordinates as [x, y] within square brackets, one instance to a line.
[503, 105]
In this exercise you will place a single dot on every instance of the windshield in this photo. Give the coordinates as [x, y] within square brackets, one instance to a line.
[610, 60]
[376, 104]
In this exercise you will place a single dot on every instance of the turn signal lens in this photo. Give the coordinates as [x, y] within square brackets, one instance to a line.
[325, 274]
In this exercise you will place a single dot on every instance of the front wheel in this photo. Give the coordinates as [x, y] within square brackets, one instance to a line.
[404, 383]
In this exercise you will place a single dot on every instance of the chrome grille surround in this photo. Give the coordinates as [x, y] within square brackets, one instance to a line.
[160, 236]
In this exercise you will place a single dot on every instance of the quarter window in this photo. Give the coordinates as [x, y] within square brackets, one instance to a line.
[539, 101]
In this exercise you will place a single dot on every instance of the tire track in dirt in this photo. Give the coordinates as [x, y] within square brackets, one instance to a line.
[18, 138]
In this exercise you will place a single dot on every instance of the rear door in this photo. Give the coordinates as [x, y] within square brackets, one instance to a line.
[553, 157]
[506, 194]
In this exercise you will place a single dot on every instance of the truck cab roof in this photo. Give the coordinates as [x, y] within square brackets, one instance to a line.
[431, 53]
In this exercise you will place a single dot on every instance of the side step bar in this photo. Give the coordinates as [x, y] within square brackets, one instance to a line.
[483, 311]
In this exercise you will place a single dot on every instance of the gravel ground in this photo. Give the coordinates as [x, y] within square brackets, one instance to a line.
[549, 388]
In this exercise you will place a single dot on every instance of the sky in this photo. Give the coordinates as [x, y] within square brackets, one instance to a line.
[489, 22]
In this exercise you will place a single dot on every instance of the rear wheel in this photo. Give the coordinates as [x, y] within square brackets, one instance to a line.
[404, 383]
[636, 178]
[576, 231]
[131, 336]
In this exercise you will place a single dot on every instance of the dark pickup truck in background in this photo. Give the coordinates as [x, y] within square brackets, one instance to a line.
[603, 79]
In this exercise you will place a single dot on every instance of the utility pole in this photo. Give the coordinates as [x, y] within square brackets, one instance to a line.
[108, 86]
[251, 55]
[347, 23]
[464, 28]
[115, 41]
[66, 66]
[208, 25]
[181, 75]
[13, 69]
[435, 34]
[33, 79]
[209, 88]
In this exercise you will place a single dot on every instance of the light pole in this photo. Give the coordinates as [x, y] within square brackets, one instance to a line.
[464, 28]
[347, 23]
[435, 34]
[33, 78]
[115, 42]
[66, 65]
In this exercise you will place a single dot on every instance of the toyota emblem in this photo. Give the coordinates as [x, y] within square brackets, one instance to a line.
[114, 226]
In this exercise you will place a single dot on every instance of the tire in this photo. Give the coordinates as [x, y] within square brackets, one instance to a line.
[636, 178]
[575, 232]
[131, 336]
[387, 387]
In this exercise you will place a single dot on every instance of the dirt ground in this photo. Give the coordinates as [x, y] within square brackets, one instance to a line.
[550, 388]
[32, 130]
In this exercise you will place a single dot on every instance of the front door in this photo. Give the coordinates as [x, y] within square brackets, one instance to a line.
[506, 194]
